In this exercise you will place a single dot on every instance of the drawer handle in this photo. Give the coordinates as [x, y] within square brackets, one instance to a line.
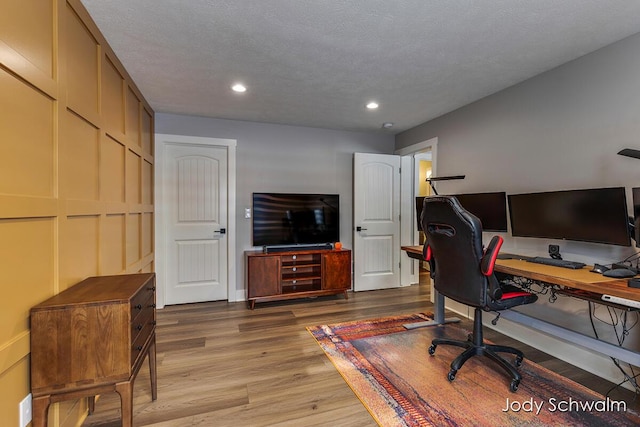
[294, 257]
[294, 269]
[153, 288]
[152, 305]
[139, 348]
[139, 327]
[153, 323]
[139, 306]
[295, 281]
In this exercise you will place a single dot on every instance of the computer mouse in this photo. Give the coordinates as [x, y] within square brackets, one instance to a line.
[599, 268]
[619, 273]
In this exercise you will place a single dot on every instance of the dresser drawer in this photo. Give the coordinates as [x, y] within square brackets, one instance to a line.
[138, 301]
[300, 259]
[138, 324]
[140, 340]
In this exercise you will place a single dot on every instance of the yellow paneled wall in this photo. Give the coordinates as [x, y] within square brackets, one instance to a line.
[76, 171]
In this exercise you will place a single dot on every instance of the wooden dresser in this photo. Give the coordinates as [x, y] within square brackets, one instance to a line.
[92, 338]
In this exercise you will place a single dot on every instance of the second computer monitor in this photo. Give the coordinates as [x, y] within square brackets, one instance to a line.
[596, 215]
[490, 208]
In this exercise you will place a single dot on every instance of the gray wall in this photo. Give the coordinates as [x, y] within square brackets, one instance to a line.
[277, 158]
[559, 130]
[556, 131]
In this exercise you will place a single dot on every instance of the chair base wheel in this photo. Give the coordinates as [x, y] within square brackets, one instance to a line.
[432, 349]
[518, 361]
[452, 375]
[514, 385]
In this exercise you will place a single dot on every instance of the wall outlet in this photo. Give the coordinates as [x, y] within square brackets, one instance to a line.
[25, 411]
[247, 212]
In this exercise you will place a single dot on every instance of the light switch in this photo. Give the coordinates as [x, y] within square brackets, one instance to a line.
[247, 212]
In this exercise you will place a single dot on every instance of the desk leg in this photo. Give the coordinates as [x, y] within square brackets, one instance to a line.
[438, 315]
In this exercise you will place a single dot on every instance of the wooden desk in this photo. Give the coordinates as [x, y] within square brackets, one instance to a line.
[581, 279]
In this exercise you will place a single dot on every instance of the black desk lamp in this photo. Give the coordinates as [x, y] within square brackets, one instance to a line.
[630, 152]
[449, 178]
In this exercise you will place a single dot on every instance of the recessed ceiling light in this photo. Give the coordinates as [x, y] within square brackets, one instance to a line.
[239, 87]
[372, 105]
[387, 125]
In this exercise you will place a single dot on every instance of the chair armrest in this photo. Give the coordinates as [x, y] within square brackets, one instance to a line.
[427, 254]
[488, 261]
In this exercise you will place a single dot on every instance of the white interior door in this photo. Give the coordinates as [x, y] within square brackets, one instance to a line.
[376, 218]
[195, 199]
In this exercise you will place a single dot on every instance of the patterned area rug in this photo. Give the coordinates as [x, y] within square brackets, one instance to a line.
[391, 372]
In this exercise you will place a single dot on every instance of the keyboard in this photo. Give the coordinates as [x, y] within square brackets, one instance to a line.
[557, 262]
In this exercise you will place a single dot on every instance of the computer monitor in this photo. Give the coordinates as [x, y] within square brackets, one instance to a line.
[591, 215]
[636, 215]
[490, 208]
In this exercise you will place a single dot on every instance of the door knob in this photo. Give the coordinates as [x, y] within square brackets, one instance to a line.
[221, 231]
[358, 228]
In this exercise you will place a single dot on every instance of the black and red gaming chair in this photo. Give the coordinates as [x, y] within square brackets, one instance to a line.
[463, 271]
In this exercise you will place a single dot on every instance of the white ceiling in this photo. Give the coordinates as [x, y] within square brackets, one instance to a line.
[318, 62]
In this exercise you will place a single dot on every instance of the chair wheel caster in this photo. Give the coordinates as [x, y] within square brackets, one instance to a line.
[514, 385]
[452, 375]
[518, 361]
[432, 349]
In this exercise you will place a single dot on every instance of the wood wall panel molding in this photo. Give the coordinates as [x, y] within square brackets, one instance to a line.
[114, 208]
[135, 149]
[135, 208]
[147, 182]
[76, 164]
[27, 207]
[82, 67]
[132, 117]
[134, 178]
[84, 207]
[112, 244]
[11, 352]
[27, 152]
[27, 263]
[133, 252]
[79, 245]
[79, 159]
[28, 29]
[14, 63]
[147, 132]
[112, 99]
[147, 234]
[112, 170]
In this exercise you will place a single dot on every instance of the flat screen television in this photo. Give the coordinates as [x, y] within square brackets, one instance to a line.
[490, 208]
[283, 219]
[592, 215]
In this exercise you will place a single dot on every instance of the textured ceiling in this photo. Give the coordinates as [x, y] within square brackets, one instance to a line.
[318, 62]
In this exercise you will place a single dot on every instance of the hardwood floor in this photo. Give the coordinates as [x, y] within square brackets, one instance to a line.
[221, 364]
